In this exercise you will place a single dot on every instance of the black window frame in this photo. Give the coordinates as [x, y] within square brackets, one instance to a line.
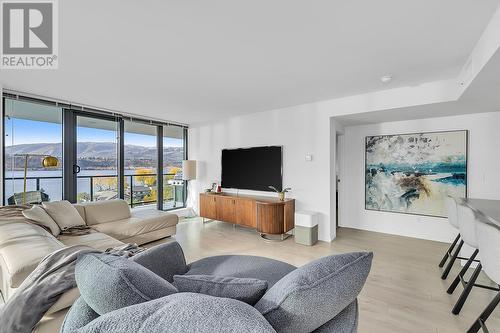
[69, 139]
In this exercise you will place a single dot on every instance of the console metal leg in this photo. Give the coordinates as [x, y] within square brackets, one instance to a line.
[280, 238]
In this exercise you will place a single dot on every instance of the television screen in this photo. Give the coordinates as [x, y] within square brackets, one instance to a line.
[252, 168]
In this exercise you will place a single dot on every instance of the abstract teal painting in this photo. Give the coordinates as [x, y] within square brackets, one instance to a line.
[414, 173]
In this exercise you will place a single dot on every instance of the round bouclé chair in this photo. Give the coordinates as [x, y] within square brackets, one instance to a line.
[156, 291]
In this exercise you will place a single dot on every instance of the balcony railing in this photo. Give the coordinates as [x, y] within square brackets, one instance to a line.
[140, 189]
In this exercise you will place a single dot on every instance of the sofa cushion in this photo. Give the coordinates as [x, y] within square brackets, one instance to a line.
[106, 211]
[96, 240]
[181, 313]
[242, 289]
[63, 213]
[149, 220]
[39, 216]
[109, 282]
[148, 213]
[155, 215]
[165, 260]
[242, 266]
[81, 210]
[20, 256]
[150, 236]
[313, 294]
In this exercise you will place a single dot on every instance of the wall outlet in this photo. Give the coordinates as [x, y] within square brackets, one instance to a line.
[309, 157]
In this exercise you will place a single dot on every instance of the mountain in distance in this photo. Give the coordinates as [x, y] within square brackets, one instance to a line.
[92, 151]
[53, 149]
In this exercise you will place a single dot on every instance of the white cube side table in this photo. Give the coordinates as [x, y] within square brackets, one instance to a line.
[306, 227]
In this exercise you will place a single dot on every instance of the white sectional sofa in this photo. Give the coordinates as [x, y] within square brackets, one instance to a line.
[113, 223]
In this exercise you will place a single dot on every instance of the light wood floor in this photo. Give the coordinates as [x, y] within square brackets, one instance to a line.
[404, 292]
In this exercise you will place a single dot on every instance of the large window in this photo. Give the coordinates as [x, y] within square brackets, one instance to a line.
[96, 159]
[173, 153]
[104, 157]
[32, 132]
[141, 158]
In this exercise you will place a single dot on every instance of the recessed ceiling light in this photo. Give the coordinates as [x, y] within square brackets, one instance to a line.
[386, 78]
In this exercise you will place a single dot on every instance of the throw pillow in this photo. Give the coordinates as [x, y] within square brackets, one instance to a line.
[64, 214]
[345, 321]
[241, 289]
[38, 215]
[165, 260]
[181, 313]
[108, 282]
[311, 295]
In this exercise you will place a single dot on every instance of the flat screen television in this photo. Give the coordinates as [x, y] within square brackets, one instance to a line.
[254, 168]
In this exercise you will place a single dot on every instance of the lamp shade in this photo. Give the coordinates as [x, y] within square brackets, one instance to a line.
[188, 169]
[50, 162]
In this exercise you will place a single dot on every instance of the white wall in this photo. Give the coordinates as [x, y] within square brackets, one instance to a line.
[299, 130]
[303, 129]
[311, 129]
[483, 180]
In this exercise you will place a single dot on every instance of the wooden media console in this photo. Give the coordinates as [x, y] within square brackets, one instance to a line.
[268, 215]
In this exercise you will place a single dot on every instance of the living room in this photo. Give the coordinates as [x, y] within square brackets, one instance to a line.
[250, 166]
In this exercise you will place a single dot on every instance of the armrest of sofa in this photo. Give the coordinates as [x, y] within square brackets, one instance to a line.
[165, 260]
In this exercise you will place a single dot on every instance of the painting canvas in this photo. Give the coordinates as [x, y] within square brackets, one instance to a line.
[414, 173]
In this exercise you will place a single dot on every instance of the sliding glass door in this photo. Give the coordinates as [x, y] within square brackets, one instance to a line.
[99, 156]
[140, 163]
[96, 159]
[174, 187]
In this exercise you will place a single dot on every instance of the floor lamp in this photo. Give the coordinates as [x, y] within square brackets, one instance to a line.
[189, 173]
[48, 161]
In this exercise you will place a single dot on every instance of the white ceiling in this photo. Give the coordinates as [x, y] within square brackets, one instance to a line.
[481, 96]
[193, 61]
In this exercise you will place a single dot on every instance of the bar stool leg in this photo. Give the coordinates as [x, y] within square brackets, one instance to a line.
[447, 255]
[484, 315]
[460, 275]
[465, 293]
[452, 260]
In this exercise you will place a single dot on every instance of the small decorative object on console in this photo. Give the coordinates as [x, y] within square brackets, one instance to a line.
[281, 193]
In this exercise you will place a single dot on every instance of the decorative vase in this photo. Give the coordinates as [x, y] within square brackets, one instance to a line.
[282, 196]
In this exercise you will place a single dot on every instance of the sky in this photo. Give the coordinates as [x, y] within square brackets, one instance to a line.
[28, 131]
